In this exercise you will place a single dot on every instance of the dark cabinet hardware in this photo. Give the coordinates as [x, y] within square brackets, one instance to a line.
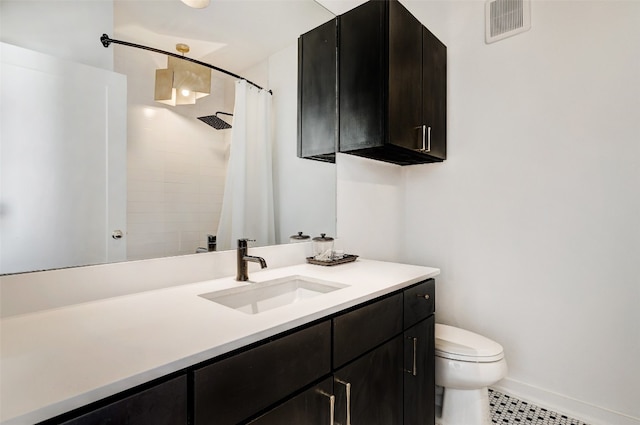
[414, 366]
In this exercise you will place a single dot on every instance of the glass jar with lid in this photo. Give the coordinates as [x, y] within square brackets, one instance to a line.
[323, 247]
[299, 238]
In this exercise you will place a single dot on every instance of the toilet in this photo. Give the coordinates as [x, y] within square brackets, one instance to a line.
[466, 364]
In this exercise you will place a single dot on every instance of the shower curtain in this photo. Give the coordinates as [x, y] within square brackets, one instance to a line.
[247, 204]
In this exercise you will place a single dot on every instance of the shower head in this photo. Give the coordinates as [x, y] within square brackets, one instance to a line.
[215, 121]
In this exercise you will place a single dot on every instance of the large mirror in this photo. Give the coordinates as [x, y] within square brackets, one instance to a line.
[163, 186]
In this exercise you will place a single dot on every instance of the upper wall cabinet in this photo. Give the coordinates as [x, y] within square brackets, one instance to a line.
[317, 93]
[392, 84]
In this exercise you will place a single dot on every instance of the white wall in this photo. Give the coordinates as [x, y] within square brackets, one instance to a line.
[533, 219]
[370, 196]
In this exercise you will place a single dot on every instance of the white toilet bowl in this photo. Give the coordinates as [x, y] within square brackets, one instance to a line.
[466, 364]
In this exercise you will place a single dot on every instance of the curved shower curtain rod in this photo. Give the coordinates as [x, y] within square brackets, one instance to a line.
[106, 42]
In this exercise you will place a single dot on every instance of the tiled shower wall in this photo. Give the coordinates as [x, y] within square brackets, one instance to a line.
[176, 164]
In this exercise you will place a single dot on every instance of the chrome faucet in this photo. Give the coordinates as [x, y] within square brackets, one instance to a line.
[242, 274]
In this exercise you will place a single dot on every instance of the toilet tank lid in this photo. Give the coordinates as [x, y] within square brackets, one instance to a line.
[465, 344]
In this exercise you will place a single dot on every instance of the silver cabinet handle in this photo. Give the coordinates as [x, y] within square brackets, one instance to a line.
[414, 367]
[426, 138]
[348, 390]
[426, 297]
[332, 405]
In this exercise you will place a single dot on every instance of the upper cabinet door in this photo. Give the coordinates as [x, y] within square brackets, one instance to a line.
[434, 106]
[317, 93]
[362, 78]
[405, 78]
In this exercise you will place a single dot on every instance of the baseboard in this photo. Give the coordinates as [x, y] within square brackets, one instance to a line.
[588, 413]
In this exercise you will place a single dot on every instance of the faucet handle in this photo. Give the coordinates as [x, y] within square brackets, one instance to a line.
[243, 242]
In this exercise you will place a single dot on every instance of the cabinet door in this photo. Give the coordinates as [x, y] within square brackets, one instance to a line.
[163, 404]
[434, 107]
[369, 389]
[234, 389]
[313, 407]
[317, 93]
[419, 376]
[362, 77]
[405, 78]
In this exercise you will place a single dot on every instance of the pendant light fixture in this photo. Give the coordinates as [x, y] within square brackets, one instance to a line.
[182, 82]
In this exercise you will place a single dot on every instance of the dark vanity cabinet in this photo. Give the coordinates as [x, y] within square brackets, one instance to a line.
[392, 87]
[383, 359]
[369, 364]
[382, 368]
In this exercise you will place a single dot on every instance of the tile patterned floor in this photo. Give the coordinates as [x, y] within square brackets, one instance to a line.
[508, 410]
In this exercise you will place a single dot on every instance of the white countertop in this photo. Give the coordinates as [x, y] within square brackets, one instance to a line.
[57, 360]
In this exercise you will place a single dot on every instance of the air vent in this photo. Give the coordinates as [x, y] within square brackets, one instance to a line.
[505, 18]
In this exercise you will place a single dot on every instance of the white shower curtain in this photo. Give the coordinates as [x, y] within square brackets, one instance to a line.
[247, 205]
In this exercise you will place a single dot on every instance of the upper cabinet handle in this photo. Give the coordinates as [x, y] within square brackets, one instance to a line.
[426, 138]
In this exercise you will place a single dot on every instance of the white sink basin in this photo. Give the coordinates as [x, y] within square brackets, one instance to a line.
[262, 296]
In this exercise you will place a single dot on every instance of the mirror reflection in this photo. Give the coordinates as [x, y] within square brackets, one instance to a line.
[87, 152]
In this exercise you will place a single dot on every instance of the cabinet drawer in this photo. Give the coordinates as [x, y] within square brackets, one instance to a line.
[163, 404]
[234, 389]
[360, 330]
[419, 302]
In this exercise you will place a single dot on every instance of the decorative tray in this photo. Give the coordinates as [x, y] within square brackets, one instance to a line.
[347, 258]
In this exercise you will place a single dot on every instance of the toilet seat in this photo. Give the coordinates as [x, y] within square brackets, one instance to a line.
[459, 344]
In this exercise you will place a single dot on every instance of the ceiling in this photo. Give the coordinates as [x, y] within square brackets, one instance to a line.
[231, 34]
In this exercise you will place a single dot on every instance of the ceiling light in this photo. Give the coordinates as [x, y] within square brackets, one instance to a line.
[196, 4]
[182, 82]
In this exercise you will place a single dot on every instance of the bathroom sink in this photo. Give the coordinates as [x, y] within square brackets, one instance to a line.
[263, 296]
